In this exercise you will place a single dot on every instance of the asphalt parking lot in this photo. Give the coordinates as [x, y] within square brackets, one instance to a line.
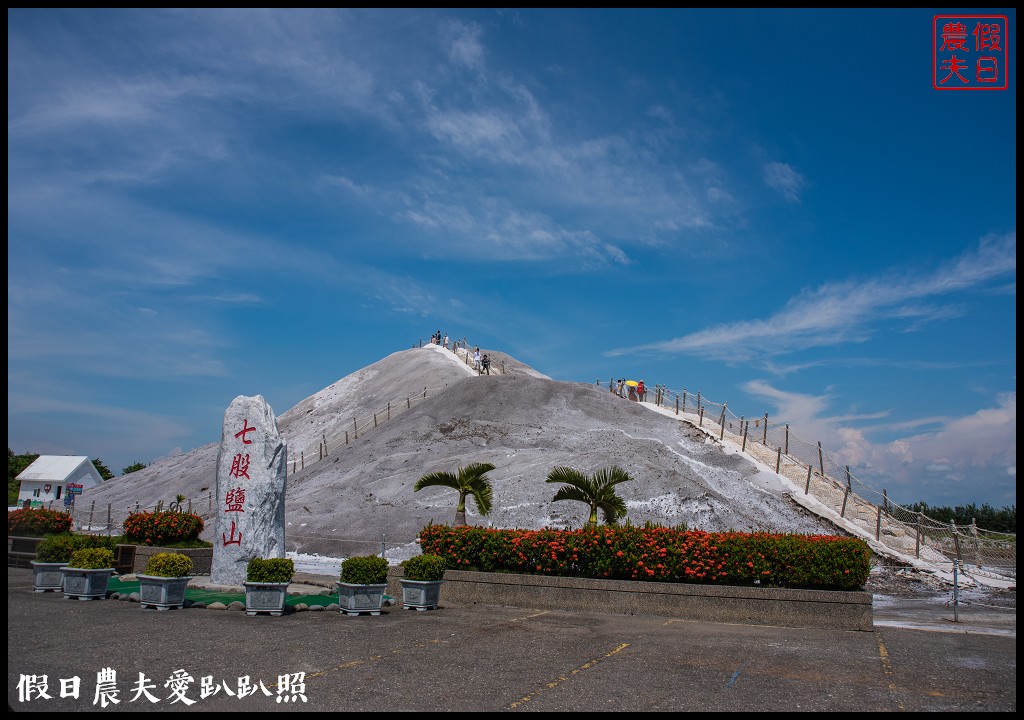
[485, 659]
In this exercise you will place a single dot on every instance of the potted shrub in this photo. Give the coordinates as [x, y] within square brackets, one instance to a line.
[266, 585]
[362, 584]
[165, 580]
[52, 555]
[86, 575]
[421, 580]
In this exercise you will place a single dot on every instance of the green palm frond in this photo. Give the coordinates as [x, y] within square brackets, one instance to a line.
[469, 481]
[597, 491]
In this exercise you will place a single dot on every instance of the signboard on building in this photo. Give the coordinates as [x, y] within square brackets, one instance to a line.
[75, 488]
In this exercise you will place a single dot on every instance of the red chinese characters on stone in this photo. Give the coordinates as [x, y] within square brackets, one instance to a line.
[240, 466]
[234, 500]
[244, 431]
[235, 539]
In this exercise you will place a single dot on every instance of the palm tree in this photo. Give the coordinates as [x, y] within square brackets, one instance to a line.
[597, 491]
[470, 480]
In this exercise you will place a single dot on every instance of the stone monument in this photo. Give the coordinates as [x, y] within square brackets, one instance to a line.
[251, 470]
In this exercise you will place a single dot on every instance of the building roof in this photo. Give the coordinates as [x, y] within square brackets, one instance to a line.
[55, 468]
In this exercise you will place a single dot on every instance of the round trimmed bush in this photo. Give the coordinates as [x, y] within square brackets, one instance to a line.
[92, 559]
[364, 570]
[424, 567]
[270, 570]
[169, 565]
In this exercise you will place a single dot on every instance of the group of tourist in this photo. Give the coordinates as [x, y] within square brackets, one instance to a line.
[481, 363]
[635, 391]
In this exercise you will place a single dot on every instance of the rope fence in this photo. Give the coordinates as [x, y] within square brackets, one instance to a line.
[831, 483]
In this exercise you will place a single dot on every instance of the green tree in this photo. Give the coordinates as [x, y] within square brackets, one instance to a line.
[15, 465]
[471, 480]
[597, 491]
[102, 469]
[134, 467]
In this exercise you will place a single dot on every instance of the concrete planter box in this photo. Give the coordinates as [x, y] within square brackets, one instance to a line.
[86, 584]
[358, 599]
[420, 594]
[162, 593]
[265, 597]
[835, 609]
[47, 576]
[202, 558]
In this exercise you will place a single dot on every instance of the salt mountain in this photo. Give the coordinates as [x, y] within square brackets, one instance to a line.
[522, 422]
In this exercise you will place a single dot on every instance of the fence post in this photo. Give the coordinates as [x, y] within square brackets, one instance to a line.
[700, 416]
[91, 508]
[764, 438]
[424, 393]
[408, 403]
[846, 492]
[346, 437]
[684, 402]
[878, 518]
[721, 433]
[324, 434]
[956, 566]
[743, 431]
[807, 485]
[787, 439]
[302, 458]
[917, 535]
[778, 460]
[389, 409]
[355, 429]
[698, 401]
[956, 591]
[974, 534]
[108, 520]
[821, 461]
[383, 538]
[677, 404]
[375, 419]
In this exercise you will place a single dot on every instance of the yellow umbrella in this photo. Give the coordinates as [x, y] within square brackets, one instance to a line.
[632, 383]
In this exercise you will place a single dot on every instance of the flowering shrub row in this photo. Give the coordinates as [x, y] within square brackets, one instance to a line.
[162, 528]
[36, 522]
[657, 554]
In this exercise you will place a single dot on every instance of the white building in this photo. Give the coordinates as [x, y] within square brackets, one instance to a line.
[50, 478]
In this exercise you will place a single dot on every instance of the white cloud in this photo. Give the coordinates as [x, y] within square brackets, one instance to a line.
[782, 177]
[846, 312]
[944, 461]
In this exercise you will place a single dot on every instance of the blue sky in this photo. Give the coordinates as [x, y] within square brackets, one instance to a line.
[775, 208]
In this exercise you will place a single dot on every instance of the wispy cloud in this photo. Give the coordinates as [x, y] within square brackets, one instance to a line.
[783, 178]
[846, 312]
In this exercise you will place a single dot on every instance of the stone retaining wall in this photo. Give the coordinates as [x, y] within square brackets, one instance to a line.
[842, 610]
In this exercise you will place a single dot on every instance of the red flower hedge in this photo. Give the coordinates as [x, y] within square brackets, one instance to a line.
[37, 522]
[162, 528]
[657, 554]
